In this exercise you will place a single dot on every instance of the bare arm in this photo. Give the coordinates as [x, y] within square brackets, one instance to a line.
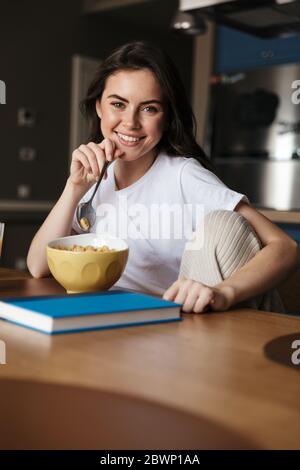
[57, 224]
[86, 166]
[271, 265]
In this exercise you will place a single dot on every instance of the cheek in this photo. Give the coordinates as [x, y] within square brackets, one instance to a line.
[109, 119]
[156, 127]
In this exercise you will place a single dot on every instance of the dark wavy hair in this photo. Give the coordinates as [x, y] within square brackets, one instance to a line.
[179, 136]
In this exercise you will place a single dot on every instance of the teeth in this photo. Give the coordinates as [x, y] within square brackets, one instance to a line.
[128, 138]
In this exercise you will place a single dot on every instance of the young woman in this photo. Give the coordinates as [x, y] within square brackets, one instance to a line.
[191, 238]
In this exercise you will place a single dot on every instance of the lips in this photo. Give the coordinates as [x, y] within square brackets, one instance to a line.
[128, 140]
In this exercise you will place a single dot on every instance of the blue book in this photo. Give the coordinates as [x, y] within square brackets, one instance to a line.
[91, 311]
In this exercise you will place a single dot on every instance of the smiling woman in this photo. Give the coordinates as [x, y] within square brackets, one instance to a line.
[123, 104]
[162, 89]
[142, 123]
[134, 123]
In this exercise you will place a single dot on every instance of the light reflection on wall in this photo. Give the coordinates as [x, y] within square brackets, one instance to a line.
[279, 182]
[285, 146]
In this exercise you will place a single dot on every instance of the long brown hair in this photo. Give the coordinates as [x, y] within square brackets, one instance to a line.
[179, 136]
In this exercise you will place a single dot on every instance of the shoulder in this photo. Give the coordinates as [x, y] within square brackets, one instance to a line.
[199, 183]
[171, 161]
[184, 165]
[189, 170]
[194, 172]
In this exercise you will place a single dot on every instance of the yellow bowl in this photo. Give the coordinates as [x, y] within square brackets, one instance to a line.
[89, 270]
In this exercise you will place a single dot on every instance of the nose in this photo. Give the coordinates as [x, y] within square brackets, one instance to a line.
[131, 119]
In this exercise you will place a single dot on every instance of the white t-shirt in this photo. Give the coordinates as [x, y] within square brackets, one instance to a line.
[157, 215]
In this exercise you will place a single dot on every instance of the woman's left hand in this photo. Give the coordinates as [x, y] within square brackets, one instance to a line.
[197, 297]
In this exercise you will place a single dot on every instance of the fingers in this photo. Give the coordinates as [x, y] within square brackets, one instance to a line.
[79, 156]
[92, 157]
[204, 301]
[99, 154]
[88, 160]
[108, 146]
[183, 292]
[85, 157]
[110, 149]
[191, 298]
[171, 293]
[192, 295]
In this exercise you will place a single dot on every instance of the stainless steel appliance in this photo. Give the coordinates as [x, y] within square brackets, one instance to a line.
[268, 184]
[265, 18]
[255, 135]
[259, 114]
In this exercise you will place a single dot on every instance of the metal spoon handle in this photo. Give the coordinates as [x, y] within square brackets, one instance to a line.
[99, 180]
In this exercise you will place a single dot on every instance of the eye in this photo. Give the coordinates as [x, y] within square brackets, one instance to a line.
[150, 109]
[117, 104]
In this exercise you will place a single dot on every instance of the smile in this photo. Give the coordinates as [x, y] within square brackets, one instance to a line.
[128, 140]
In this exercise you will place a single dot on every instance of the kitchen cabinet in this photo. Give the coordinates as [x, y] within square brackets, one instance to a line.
[17, 239]
[22, 220]
[236, 50]
[293, 230]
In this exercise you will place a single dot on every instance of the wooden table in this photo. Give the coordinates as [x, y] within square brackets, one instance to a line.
[205, 382]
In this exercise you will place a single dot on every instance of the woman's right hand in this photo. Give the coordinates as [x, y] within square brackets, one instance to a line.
[88, 160]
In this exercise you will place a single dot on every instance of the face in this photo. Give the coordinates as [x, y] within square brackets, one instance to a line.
[132, 112]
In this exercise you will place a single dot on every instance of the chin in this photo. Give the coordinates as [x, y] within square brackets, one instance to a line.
[131, 154]
[129, 158]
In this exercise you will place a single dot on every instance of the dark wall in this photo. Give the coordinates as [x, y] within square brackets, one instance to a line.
[36, 43]
[37, 40]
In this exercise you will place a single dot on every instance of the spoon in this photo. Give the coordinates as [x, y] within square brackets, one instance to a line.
[85, 213]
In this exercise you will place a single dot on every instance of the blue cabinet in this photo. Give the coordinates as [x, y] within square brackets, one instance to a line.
[293, 230]
[236, 50]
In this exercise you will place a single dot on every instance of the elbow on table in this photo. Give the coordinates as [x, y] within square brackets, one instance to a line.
[36, 271]
[37, 275]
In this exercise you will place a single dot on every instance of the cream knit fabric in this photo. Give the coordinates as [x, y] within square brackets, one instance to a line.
[229, 242]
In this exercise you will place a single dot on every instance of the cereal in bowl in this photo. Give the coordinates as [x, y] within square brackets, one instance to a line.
[79, 248]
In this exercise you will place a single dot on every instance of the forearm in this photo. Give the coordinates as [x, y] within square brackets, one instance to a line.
[265, 271]
[57, 224]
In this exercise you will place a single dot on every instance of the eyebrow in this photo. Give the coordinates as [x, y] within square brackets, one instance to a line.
[142, 102]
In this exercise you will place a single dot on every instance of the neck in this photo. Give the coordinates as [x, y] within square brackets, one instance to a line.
[128, 172]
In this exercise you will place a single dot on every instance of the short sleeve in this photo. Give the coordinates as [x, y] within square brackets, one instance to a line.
[201, 186]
